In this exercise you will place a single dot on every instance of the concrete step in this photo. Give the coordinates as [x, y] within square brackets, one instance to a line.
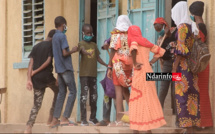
[41, 128]
[167, 112]
[170, 120]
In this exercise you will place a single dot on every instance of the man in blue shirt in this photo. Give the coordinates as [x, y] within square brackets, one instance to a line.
[64, 69]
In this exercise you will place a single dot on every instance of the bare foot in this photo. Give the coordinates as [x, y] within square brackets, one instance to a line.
[54, 122]
[28, 129]
[49, 120]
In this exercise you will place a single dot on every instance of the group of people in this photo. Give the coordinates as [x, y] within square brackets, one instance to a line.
[127, 67]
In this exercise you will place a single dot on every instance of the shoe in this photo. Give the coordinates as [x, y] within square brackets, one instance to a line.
[84, 123]
[93, 121]
[102, 123]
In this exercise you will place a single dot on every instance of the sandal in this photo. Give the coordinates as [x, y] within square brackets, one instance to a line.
[102, 123]
[121, 124]
[71, 123]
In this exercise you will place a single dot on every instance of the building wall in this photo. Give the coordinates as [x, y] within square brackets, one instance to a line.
[19, 101]
[209, 17]
[2, 58]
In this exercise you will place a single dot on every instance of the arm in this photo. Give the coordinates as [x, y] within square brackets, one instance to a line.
[176, 63]
[136, 65]
[155, 59]
[43, 66]
[110, 64]
[101, 61]
[112, 53]
[30, 68]
[68, 53]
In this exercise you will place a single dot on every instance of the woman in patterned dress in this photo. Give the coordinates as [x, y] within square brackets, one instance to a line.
[186, 90]
[120, 64]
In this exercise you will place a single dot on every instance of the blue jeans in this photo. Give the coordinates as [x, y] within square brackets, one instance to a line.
[65, 80]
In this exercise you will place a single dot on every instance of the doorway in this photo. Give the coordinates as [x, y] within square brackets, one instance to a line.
[101, 14]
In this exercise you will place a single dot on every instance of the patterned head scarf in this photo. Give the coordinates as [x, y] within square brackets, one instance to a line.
[123, 23]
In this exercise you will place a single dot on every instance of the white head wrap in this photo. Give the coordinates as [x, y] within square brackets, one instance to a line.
[123, 23]
[180, 14]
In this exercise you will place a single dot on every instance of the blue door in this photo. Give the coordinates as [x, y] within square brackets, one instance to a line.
[107, 13]
[143, 13]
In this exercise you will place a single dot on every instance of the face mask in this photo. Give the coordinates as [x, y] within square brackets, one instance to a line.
[192, 18]
[87, 38]
[65, 29]
[162, 32]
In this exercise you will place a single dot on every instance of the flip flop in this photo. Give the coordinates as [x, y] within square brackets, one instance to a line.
[55, 126]
[71, 123]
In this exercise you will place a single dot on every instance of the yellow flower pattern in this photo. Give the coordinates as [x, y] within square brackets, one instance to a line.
[192, 104]
[178, 107]
[186, 90]
[182, 86]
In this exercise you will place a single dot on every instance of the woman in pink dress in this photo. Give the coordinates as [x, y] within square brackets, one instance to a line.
[145, 112]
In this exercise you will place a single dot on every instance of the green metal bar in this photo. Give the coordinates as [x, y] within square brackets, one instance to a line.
[128, 8]
[81, 21]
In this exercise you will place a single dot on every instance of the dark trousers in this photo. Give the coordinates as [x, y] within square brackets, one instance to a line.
[164, 86]
[38, 98]
[65, 80]
[107, 108]
[88, 83]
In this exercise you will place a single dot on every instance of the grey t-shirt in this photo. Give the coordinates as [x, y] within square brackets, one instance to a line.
[59, 42]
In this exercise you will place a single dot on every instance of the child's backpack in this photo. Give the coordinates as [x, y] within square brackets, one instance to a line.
[199, 58]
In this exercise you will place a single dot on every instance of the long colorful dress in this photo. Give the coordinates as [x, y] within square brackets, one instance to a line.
[122, 61]
[145, 111]
[186, 90]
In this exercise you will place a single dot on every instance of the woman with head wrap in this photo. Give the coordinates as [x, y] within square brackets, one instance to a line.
[145, 111]
[186, 90]
[120, 64]
[197, 9]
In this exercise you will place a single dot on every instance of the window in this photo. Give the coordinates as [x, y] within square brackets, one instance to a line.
[33, 24]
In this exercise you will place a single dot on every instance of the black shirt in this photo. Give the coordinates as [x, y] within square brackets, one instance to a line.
[167, 55]
[40, 54]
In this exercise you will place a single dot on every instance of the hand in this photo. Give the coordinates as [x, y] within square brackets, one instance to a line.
[138, 66]
[33, 73]
[173, 44]
[159, 41]
[29, 85]
[105, 46]
[91, 53]
[109, 74]
[74, 49]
